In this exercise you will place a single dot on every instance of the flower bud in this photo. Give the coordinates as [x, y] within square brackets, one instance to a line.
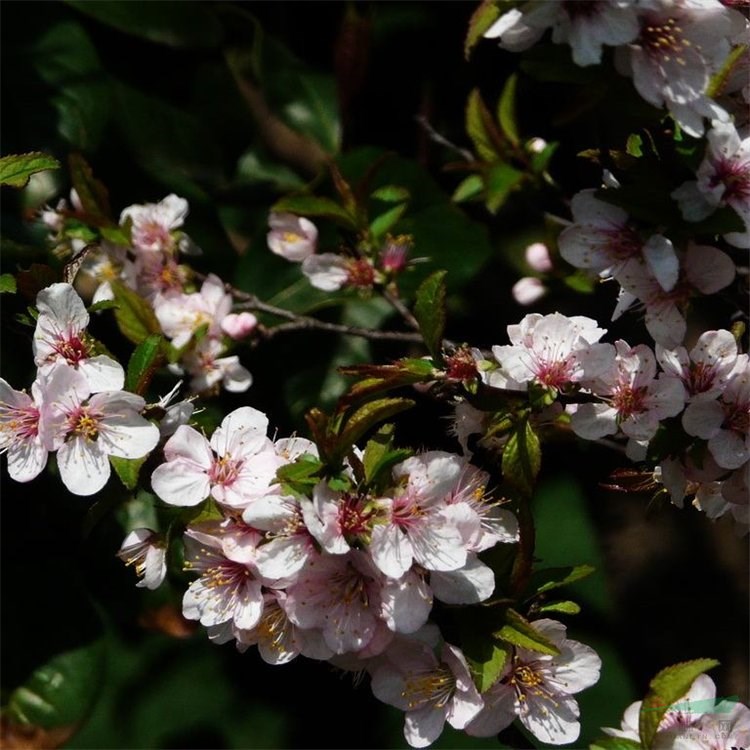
[238, 325]
[528, 290]
[537, 256]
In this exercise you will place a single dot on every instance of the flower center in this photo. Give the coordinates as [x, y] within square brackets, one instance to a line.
[360, 273]
[735, 176]
[84, 423]
[355, 515]
[629, 401]
[225, 470]
[664, 40]
[737, 417]
[291, 237]
[151, 233]
[554, 374]
[21, 422]
[433, 687]
[461, 365]
[73, 349]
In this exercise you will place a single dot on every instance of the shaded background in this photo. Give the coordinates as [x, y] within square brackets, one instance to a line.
[145, 92]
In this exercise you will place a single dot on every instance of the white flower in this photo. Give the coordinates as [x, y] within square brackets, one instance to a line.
[292, 237]
[528, 290]
[539, 689]
[328, 271]
[552, 350]
[227, 591]
[146, 551]
[209, 369]
[60, 337]
[235, 467]
[89, 430]
[725, 729]
[680, 45]
[22, 430]
[705, 371]
[585, 26]
[725, 423]
[723, 180]
[181, 315]
[429, 689]
[703, 269]
[635, 402]
[105, 264]
[153, 223]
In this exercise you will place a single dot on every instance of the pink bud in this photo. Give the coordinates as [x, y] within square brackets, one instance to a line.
[537, 256]
[394, 255]
[528, 290]
[238, 325]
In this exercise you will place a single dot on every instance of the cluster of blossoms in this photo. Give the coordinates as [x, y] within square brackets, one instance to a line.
[670, 48]
[628, 395]
[200, 324]
[336, 572]
[76, 407]
[698, 721]
[295, 239]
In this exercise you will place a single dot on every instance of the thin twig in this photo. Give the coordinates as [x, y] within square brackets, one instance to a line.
[304, 322]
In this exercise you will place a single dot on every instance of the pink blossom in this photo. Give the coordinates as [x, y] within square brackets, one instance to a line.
[417, 525]
[551, 350]
[60, 336]
[146, 551]
[429, 689]
[725, 422]
[233, 467]
[635, 400]
[181, 315]
[538, 258]
[238, 325]
[226, 591]
[105, 264]
[328, 271]
[89, 429]
[292, 237]
[539, 689]
[723, 180]
[22, 430]
[153, 223]
[703, 269]
[705, 371]
[209, 368]
[528, 290]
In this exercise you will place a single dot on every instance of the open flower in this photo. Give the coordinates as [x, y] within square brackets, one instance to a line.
[292, 237]
[89, 429]
[233, 467]
[539, 689]
[429, 689]
[60, 336]
[153, 223]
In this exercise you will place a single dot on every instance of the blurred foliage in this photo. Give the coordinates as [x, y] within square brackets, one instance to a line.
[234, 105]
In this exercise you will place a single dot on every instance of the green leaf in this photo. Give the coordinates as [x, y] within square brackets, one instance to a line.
[143, 364]
[15, 169]
[615, 743]
[7, 283]
[127, 469]
[506, 111]
[429, 310]
[483, 17]
[522, 458]
[566, 607]
[379, 456]
[518, 631]
[485, 671]
[391, 194]
[634, 145]
[102, 304]
[481, 129]
[501, 181]
[386, 221]
[134, 315]
[311, 205]
[667, 687]
[365, 418]
[91, 192]
[305, 471]
[175, 24]
[470, 187]
[554, 578]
